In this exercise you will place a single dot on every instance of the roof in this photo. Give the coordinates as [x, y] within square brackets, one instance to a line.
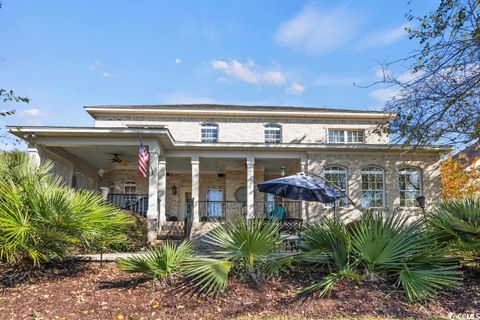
[234, 110]
[469, 154]
[62, 135]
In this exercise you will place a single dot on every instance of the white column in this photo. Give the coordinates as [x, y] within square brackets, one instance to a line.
[33, 154]
[250, 187]
[195, 188]
[152, 213]
[162, 188]
[304, 167]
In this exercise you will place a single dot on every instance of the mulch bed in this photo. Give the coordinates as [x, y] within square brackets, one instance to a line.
[90, 291]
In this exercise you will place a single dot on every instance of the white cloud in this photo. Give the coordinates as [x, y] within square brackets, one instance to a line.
[31, 113]
[95, 65]
[383, 38]
[316, 31]
[295, 88]
[249, 72]
[392, 91]
[384, 94]
[178, 61]
[106, 74]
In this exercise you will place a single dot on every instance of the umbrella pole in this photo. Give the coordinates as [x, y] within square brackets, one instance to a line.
[335, 210]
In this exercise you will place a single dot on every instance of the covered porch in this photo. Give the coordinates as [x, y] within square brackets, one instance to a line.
[201, 185]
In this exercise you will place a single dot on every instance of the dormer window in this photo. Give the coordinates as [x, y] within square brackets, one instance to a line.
[209, 133]
[272, 133]
[346, 136]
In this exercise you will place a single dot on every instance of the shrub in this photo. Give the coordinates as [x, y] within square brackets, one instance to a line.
[392, 248]
[458, 222]
[160, 262]
[41, 221]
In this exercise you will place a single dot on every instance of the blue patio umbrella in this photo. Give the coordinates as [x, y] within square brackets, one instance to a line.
[301, 186]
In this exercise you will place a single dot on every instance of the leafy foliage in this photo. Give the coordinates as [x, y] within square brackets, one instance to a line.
[458, 220]
[438, 96]
[459, 179]
[40, 220]
[207, 276]
[391, 248]
[160, 262]
[251, 245]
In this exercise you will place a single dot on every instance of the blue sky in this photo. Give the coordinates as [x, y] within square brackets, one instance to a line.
[67, 54]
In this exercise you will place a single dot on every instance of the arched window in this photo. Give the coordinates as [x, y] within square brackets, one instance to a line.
[410, 186]
[272, 133]
[130, 187]
[209, 132]
[373, 190]
[337, 176]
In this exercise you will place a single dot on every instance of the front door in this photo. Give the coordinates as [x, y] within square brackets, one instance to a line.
[214, 203]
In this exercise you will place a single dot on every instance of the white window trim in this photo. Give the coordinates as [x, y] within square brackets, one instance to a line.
[346, 182]
[212, 124]
[384, 197]
[132, 184]
[273, 127]
[345, 135]
[420, 192]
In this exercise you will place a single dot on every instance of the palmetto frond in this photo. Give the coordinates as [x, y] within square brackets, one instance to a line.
[207, 276]
[160, 262]
[458, 219]
[41, 220]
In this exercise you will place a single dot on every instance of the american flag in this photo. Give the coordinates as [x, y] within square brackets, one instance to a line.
[142, 160]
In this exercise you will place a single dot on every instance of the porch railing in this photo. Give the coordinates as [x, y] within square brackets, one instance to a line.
[134, 202]
[221, 210]
[293, 209]
[224, 210]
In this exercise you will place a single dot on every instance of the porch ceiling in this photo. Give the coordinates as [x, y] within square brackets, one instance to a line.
[100, 156]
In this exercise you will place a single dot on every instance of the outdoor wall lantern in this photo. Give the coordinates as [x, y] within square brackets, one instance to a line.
[174, 189]
[421, 204]
[282, 171]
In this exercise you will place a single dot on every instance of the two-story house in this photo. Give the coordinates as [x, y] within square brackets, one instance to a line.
[206, 159]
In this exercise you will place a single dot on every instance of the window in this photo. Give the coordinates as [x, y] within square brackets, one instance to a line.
[355, 136]
[372, 187]
[409, 184]
[272, 134]
[346, 136]
[214, 202]
[336, 136]
[209, 132]
[130, 187]
[337, 176]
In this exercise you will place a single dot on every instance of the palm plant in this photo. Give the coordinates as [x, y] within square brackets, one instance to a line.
[249, 247]
[161, 262]
[458, 221]
[40, 220]
[392, 248]
[252, 245]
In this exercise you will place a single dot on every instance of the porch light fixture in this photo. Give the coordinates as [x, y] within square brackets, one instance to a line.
[174, 189]
[282, 171]
[421, 204]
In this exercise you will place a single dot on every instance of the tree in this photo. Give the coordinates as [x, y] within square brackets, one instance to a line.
[437, 100]
[459, 179]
